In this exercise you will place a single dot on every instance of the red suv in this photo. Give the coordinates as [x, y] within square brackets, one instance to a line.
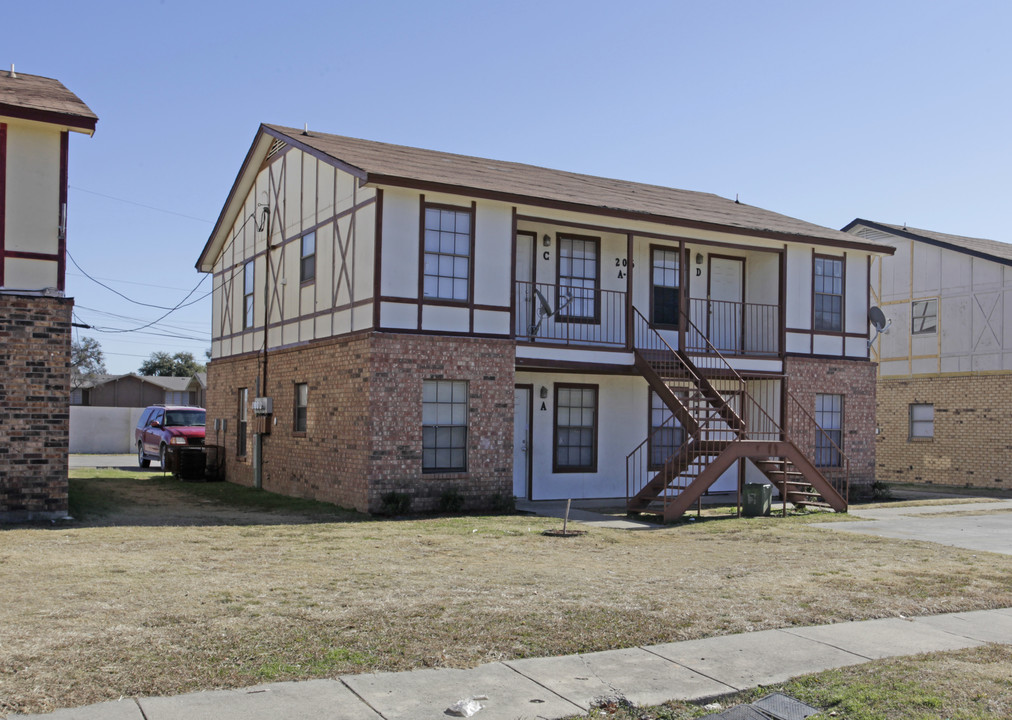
[162, 426]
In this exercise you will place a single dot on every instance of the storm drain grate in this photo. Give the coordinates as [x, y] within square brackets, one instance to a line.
[772, 707]
[740, 712]
[784, 707]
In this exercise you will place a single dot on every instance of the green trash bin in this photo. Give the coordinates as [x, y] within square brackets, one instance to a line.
[757, 499]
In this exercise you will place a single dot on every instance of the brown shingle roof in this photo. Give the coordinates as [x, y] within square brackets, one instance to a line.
[383, 163]
[40, 98]
[994, 249]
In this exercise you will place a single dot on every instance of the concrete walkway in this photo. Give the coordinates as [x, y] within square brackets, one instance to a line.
[561, 686]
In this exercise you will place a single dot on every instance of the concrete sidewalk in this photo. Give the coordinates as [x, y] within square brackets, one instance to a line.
[561, 686]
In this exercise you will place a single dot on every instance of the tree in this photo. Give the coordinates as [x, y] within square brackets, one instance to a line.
[182, 364]
[86, 362]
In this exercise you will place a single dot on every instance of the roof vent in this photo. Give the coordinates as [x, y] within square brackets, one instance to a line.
[12, 73]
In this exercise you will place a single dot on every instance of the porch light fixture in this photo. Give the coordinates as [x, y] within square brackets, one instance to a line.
[544, 392]
[546, 240]
[699, 258]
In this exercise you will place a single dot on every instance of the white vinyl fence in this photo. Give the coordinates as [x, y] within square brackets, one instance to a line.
[103, 429]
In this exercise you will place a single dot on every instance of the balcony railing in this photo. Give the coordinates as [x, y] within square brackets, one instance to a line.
[734, 328]
[559, 314]
[562, 315]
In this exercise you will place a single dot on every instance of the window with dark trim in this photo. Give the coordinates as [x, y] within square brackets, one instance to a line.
[447, 253]
[242, 415]
[575, 428]
[922, 421]
[307, 258]
[666, 432]
[924, 317]
[579, 276]
[665, 279]
[301, 407]
[444, 426]
[827, 313]
[247, 295]
[829, 418]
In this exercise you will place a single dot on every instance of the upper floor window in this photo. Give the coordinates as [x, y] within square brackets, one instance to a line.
[307, 258]
[924, 317]
[247, 295]
[447, 250]
[828, 285]
[665, 280]
[578, 278]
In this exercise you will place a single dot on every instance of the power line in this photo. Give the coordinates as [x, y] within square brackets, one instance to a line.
[149, 207]
[138, 302]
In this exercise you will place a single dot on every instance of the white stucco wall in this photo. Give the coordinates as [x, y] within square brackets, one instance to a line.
[103, 429]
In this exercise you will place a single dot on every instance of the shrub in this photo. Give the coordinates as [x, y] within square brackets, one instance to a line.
[504, 504]
[451, 501]
[395, 503]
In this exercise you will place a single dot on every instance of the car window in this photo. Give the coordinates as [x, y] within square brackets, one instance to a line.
[156, 416]
[145, 416]
[184, 417]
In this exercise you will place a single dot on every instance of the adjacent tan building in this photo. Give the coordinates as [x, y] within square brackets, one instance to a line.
[945, 365]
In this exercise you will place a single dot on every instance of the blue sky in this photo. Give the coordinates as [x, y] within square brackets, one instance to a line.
[891, 111]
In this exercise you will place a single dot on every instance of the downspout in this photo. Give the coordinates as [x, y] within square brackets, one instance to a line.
[258, 441]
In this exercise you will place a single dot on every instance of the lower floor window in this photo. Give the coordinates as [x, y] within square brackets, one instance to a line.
[829, 418]
[444, 426]
[666, 432]
[575, 428]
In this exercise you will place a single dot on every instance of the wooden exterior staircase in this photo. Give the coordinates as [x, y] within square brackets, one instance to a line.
[724, 422]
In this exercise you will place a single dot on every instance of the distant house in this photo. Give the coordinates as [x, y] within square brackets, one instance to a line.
[135, 391]
[945, 367]
[37, 115]
[390, 321]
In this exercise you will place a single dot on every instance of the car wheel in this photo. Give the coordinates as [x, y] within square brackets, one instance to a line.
[141, 460]
[161, 457]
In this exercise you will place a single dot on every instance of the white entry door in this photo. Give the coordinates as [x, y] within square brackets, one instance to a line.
[521, 441]
[726, 293]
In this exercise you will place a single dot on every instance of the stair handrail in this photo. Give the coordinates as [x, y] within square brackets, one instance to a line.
[794, 405]
[734, 373]
[690, 437]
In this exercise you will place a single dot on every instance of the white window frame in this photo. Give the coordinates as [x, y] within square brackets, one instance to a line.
[923, 427]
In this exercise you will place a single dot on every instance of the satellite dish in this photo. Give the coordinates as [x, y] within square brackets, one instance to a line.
[544, 308]
[878, 320]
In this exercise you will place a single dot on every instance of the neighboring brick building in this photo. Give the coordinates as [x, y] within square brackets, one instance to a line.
[390, 320]
[37, 116]
[945, 367]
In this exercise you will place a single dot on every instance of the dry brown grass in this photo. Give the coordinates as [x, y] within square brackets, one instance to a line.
[90, 613]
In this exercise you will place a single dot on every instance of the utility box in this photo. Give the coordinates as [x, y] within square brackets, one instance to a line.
[757, 499]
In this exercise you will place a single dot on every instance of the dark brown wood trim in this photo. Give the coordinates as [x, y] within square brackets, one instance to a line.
[62, 212]
[529, 387]
[3, 200]
[826, 333]
[782, 301]
[421, 260]
[592, 468]
[377, 273]
[49, 116]
[414, 184]
[630, 250]
[513, 269]
[472, 263]
[559, 316]
[29, 255]
[573, 366]
[318, 154]
[643, 233]
[310, 316]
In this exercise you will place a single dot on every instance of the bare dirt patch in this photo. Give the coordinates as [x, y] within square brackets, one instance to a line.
[261, 589]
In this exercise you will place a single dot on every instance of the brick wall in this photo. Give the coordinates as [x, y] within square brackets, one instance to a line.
[972, 443]
[855, 380]
[34, 406]
[363, 436]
